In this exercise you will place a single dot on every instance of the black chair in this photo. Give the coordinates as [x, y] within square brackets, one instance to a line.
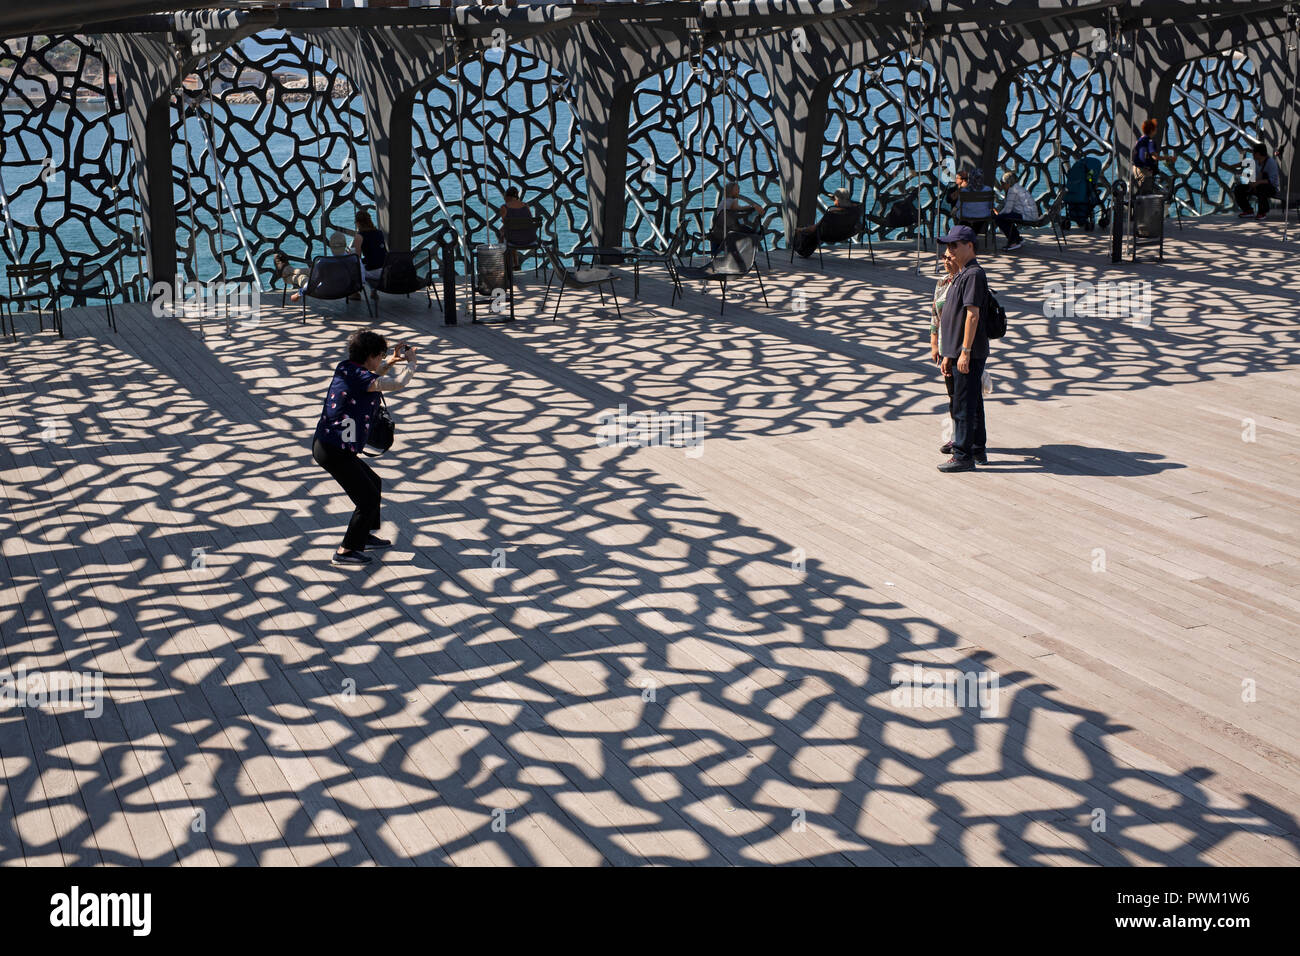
[84, 281]
[33, 284]
[334, 277]
[721, 226]
[736, 261]
[838, 225]
[885, 203]
[596, 276]
[669, 258]
[524, 235]
[974, 207]
[1171, 202]
[401, 275]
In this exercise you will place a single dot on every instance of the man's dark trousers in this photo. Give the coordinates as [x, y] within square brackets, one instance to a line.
[968, 409]
[1262, 192]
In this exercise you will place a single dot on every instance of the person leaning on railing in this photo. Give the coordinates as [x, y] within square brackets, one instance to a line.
[1146, 158]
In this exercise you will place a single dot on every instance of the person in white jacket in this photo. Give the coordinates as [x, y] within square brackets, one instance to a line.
[1018, 208]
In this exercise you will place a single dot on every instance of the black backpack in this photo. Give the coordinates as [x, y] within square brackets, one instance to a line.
[997, 321]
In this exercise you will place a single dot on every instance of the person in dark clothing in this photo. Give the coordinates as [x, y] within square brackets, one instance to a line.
[963, 350]
[516, 224]
[731, 216]
[808, 238]
[351, 404]
[1145, 158]
[1267, 181]
[369, 244]
[971, 180]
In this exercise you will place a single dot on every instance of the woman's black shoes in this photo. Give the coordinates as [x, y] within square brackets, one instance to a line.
[374, 544]
[351, 557]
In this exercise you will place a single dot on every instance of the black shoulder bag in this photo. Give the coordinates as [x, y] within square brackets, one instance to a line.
[381, 431]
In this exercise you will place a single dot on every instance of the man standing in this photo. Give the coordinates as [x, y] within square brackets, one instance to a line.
[964, 347]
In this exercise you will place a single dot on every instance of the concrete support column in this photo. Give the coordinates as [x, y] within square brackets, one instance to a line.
[801, 66]
[603, 65]
[388, 66]
[148, 68]
[979, 68]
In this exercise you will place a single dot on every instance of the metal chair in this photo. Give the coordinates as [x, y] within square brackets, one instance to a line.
[596, 276]
[86, 280]
[401, 275]
[334, 277]
[736, 261]
[524, 235]
[669, 258]
[839, 225]
[974, 207]
[25, 282]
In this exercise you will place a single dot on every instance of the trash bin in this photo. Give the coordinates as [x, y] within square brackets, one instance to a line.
[1148, 225]
[491, 261]
[1149, 216]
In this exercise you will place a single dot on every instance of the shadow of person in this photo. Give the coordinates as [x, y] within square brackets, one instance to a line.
[1078, 460]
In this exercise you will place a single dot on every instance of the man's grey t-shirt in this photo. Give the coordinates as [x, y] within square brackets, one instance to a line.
[970, 287]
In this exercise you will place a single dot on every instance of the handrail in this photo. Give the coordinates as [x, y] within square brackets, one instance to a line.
[640, 208]
[427, 173]
[229, 209]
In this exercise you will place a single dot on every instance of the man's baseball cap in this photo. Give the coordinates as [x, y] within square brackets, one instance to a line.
[959, 234]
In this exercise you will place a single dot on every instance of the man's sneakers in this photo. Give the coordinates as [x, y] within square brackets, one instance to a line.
[1262, 215]
[376, 544]
[958, 464]
[1014, 246]
[350, 557]
[1244, 215]
[981, 456]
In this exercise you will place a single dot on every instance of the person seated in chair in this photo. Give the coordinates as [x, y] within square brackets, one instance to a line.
[516, 229]
[1268, 179]
[808, 238]
[970, 179]
[290, 276]
[368, 243]
[1018, 208]
[730, 216]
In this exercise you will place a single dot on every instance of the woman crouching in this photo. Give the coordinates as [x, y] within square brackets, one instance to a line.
[351, 405]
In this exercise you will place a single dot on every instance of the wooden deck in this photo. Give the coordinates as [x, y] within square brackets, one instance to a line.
[686, 658]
